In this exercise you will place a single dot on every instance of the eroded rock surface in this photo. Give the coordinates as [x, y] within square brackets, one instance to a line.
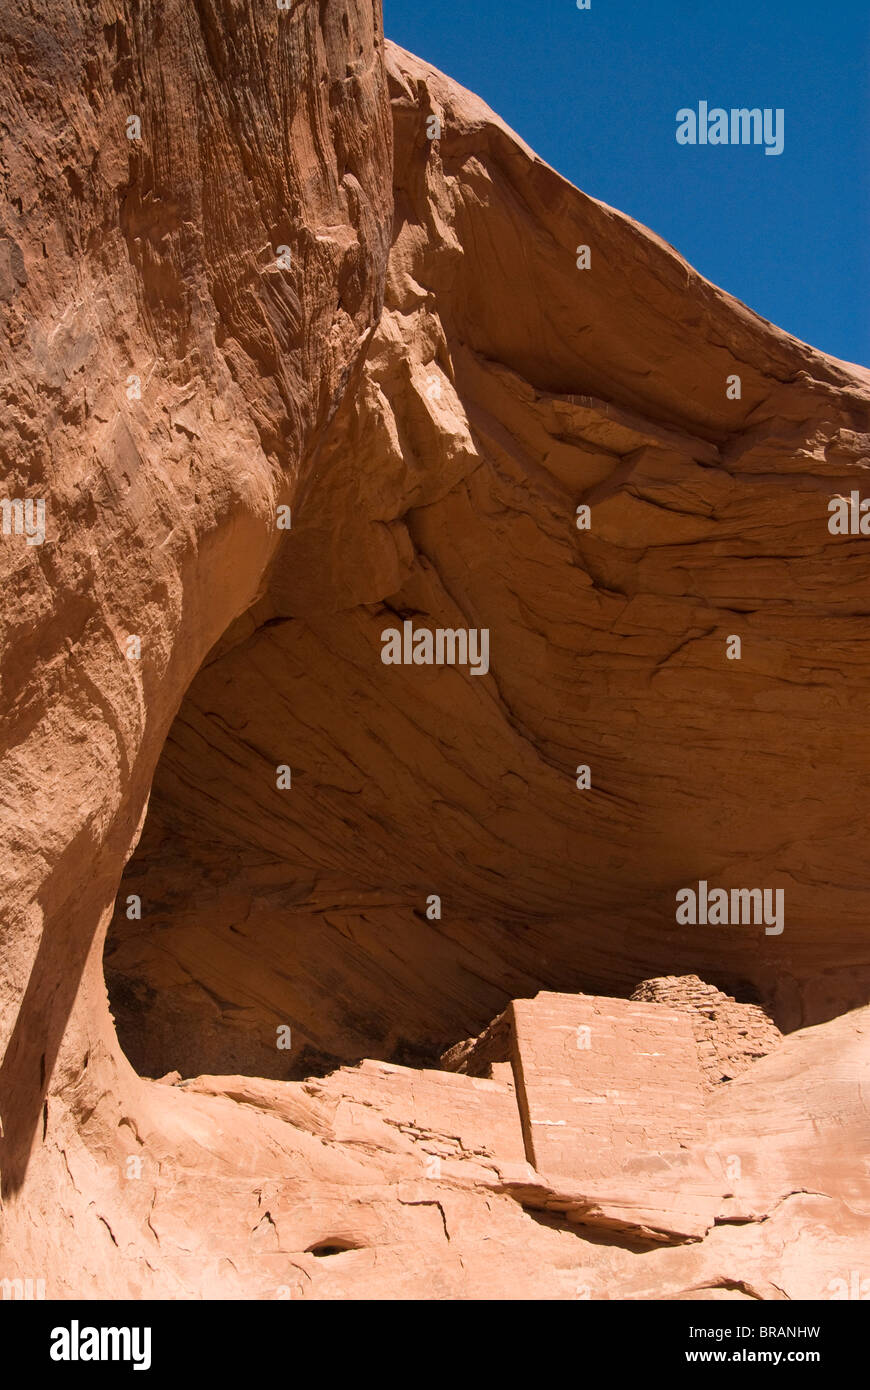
[434, 387]
[502, 388]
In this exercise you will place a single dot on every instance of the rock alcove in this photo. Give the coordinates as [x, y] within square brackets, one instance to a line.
[249, 906]
[434, 386]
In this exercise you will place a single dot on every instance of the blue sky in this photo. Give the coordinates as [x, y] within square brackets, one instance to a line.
[596, 92]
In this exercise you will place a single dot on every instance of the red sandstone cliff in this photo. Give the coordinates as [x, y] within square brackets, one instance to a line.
[433, 386]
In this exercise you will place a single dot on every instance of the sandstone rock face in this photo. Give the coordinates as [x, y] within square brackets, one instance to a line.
[326, 310]
[163, 384]
[503, 387]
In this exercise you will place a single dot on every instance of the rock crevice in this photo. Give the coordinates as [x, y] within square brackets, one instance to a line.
[273, 290]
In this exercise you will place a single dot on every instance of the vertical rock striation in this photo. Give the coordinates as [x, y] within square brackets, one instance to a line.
[281, 293]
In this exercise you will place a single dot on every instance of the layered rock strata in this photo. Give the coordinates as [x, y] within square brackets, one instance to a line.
[237, 276]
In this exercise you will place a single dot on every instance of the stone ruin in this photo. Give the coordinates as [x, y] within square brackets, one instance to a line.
[730, 1036]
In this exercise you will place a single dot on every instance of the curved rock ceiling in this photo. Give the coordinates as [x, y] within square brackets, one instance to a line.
[433, 387]
[501, 389]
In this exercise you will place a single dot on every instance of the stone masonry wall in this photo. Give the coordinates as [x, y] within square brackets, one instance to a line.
[730, 1036]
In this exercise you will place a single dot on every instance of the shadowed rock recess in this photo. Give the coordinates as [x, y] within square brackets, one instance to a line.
[513, 1070]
